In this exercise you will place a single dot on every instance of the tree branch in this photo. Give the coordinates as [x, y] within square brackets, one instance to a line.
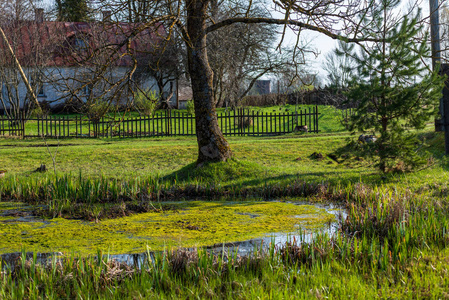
[299, 24]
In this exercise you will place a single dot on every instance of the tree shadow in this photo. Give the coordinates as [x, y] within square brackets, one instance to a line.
[193, 175]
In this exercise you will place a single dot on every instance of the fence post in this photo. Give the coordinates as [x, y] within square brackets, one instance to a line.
[240, 121]
[23, 124]
[76, 126]
[168, 122]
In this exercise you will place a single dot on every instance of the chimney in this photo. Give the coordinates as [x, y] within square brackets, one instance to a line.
[106, 15]
[39, 15]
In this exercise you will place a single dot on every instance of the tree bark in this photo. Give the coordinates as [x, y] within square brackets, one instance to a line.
[212, 146]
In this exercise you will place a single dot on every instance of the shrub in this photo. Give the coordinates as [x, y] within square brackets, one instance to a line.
[43, 110]
[146, 102]
[95, 111]
[190, 107]
[264, 100]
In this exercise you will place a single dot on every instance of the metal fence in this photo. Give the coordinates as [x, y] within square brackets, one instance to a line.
[164, 123]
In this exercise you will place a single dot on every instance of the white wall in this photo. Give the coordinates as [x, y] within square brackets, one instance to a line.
[58, 84]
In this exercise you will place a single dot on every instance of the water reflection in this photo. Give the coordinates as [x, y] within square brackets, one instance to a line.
[244, 248]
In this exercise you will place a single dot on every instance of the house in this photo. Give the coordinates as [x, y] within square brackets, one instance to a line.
[261, 87]
[185, 93]
[80, 62]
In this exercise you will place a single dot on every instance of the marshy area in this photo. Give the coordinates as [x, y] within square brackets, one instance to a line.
[135, 219]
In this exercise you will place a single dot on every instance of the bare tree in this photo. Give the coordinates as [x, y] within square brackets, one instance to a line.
[338, 66]
[194, 20]
[17, 10]
[21, 55]
[164, 62]
[97, 70]
[240, 54]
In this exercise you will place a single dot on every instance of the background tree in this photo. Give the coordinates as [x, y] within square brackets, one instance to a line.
[139, 10]
[22, 81]
[164, 63]
[98, 73]
[393, 89]
[241, 54]
[17, 10]
[338, 66]
[72, 10]
[193, 19]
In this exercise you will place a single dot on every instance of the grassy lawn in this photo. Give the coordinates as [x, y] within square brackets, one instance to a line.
[393, 244]
[267, 120]
[287, 155]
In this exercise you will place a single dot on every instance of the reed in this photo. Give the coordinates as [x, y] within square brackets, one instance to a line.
[334, 267]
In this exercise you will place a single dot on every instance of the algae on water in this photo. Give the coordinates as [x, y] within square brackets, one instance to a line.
[195, 223]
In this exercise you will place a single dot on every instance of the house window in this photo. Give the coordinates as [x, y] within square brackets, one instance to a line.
[80, 44]
[87, 90]
[38, 85]
[40, 89]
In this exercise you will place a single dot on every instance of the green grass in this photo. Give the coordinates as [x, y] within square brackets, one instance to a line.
[268, 121]
[287, 155]
[286, 272]
[393, 244]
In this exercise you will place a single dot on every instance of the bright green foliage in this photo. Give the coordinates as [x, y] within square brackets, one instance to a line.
[146, 102]
[190, 107]
[72, 10]
[392, 89]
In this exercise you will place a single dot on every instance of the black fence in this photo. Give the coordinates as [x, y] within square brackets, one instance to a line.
[15, 127]
[165, 123]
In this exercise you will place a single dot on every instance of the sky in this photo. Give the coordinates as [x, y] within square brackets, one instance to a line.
[321, 44]
[324, 44]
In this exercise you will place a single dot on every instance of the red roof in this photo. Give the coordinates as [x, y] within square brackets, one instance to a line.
[76, 43]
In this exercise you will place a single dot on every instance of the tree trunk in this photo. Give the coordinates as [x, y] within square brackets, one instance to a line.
[212, 146]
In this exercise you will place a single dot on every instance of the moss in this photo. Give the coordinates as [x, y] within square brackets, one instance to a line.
[193, 224]
[7, 206]
[218, 171]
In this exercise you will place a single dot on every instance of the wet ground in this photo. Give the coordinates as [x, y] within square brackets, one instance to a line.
[241, 248]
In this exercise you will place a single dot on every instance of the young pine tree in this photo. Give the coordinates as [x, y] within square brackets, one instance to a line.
[394, 91]
[72, 10]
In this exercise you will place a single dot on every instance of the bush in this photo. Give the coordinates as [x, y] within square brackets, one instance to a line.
[97, 110]
[264, 100]
[146, 102]
[190, 107]
[43, 110]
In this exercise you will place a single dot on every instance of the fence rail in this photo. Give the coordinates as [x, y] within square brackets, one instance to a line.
[166, 123]
[14, 127]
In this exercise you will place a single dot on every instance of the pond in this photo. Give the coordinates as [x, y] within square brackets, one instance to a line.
[237, 226]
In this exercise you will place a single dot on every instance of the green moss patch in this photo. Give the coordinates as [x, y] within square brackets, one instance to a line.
[192, 224]
[218, 171]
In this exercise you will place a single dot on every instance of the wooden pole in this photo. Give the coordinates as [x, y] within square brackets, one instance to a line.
[445, 107]
[22, 74]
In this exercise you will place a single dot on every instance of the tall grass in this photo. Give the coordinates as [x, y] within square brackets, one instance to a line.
[105, 190]
[335, 267]
[393, 243]
[388, 240]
